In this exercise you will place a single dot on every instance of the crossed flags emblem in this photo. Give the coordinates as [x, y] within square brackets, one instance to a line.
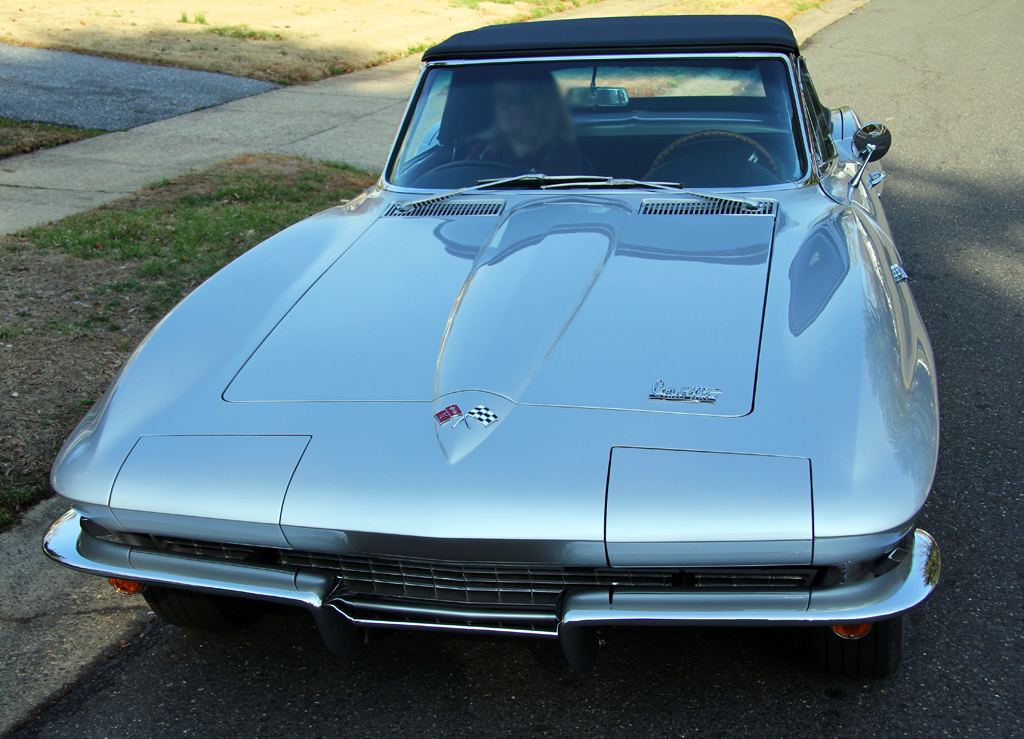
[481, 413]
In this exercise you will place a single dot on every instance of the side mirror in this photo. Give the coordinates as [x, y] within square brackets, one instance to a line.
[872, 141]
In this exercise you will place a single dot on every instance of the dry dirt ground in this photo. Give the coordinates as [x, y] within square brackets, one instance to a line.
[49, 377]
[290, 42]
[270, 41]
[68, 322]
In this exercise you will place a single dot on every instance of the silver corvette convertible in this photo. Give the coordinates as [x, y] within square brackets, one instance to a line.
[620, 337]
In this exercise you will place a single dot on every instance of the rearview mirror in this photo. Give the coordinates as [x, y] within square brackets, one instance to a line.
[872, 141]
[586, 97]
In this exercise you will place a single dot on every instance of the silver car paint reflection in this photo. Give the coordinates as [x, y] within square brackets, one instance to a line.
[231, 479]
[523, 293]
[519, 319]
[698, 509]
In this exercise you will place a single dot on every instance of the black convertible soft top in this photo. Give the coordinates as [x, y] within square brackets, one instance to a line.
[638, 34]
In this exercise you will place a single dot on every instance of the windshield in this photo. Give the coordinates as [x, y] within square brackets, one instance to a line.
[701, 122]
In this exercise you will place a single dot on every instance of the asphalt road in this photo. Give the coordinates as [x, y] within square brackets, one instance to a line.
[946, 76]
[90, 92]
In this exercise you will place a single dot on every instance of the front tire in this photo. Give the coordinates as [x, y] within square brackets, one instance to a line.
[877, 654]
[199, 611]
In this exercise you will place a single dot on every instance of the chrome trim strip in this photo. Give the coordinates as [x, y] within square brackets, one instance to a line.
[400, 132]
[426, 625]
[348, 604]
[608, 57]
[813, 169]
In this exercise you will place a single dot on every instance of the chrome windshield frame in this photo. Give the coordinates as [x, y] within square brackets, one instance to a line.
[809, 176]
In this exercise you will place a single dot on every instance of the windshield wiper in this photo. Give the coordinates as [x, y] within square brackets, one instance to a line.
[627, 184]
[527, 180]
[614, 182]
[550, 182]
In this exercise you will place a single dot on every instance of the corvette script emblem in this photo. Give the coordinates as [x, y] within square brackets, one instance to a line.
[481, 413]
[689, 394]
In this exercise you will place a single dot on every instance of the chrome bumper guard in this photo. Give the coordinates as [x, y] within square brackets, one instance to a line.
[906, 585]
[67, 543]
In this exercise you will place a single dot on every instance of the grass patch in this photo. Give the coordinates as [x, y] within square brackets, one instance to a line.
[475, 4]
[10, 332]
[246, 33]
[175, 241]
[14, 501]
[20, 137]
[547, 6]
[77, 295]
[784, 9]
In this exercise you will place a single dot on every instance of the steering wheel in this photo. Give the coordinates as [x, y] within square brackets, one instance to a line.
[460, 173]
[695, 138]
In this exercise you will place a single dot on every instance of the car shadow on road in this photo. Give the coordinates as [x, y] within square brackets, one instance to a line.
[276, 679]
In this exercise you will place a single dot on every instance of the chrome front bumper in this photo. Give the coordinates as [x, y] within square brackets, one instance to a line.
[906, 585]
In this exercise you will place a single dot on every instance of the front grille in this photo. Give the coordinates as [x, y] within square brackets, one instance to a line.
[204, 548]
[710, 207]
[486, 585]
[449, 208]
[752, 578]
[473, 584]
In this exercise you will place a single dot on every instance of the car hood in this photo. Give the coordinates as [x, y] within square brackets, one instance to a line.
[553, 312]
[571, 301]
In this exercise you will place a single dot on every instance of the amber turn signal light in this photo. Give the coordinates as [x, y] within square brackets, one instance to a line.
[126, 587]
[852, 631]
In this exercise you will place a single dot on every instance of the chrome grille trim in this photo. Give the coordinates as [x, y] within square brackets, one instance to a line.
[448, 208]
[716, 207]
[414, 615]
[519, 585]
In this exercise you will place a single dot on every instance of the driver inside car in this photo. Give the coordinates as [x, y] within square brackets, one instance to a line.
[532, 128]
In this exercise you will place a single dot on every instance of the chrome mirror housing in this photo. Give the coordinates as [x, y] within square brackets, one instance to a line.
[872, 141]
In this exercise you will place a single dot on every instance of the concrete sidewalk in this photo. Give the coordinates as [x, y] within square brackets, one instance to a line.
[350, 119]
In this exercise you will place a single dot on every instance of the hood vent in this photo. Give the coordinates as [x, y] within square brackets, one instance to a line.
[705, 208]
[448, 208]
